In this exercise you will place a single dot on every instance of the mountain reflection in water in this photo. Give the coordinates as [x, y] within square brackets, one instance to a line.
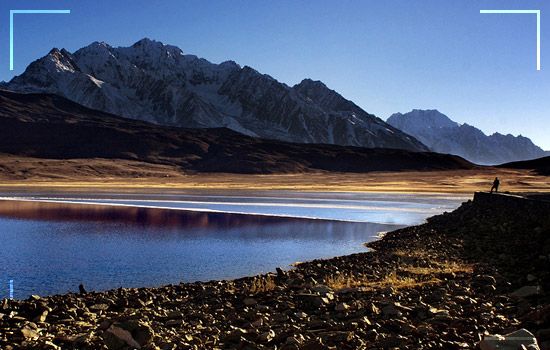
[50, 248]
[59, 211]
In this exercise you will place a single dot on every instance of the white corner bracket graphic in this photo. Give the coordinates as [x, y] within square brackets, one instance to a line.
[12, 12]
[523, 11]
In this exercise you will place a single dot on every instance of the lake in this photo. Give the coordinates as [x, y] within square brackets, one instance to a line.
[52, 242]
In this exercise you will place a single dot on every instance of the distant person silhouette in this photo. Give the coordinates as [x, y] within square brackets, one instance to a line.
[495, 185]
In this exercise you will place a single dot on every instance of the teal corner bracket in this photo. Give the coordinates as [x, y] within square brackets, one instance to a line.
[537, 12]
[12, 12]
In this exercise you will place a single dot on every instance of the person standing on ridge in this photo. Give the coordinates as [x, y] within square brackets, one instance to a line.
[495, 185]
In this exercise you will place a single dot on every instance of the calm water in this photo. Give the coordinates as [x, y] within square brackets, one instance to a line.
[401, 209]
[51, 245]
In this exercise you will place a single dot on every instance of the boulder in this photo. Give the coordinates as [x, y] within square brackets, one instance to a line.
[116, 338]
[266, 336]
[99, 307]
[28, 333]
[526, 291]
[321, 288]
[390, 311]
[520, 339]
[82, 289]
[175, 315]
[250, 302]
[341, 307]
[141, 331]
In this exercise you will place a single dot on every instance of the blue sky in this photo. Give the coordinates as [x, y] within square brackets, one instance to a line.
[387, 56]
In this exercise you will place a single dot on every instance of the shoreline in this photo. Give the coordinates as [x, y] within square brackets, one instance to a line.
[443, 284]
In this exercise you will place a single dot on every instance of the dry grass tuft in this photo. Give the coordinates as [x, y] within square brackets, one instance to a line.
[398, 281]
[415, 253]
[427, 270]
[341, 281]
[262, 284]
[456, 267]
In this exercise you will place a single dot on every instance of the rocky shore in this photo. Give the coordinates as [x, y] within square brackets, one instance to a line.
[448, 284]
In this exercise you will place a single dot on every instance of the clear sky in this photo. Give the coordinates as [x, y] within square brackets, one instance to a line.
[387, 56]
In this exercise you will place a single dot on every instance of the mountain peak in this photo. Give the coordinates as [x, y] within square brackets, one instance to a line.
[53, 52]
[152, 47]
[146, 41]
[443, 135]
[152, 44]
[311, 82]
[317, 91]
[421, 119]
[314, 89]
[58, 60]
[94, 49]
[230, 64]
[102, 43]
[57, 55]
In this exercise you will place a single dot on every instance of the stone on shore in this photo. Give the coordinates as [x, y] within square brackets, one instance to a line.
[116, 338]
[521, 339]
[250, 302]
[526, 291]
[82, 289]
[28, 333]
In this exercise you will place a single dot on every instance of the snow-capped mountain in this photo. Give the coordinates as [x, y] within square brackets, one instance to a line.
[443, 135]
[155, 82]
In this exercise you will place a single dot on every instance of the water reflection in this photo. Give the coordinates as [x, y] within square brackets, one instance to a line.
[402, 209]
[59, 211]
[50, 248]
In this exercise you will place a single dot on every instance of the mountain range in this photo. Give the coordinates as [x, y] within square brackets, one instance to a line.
[51, 127]
[155, 82]
[443, 135]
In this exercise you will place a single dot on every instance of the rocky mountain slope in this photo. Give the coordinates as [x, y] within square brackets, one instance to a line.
[155, 82]
[443, 135]
[53, 127]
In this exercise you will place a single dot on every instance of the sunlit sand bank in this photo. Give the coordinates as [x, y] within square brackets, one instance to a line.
[17, 174]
